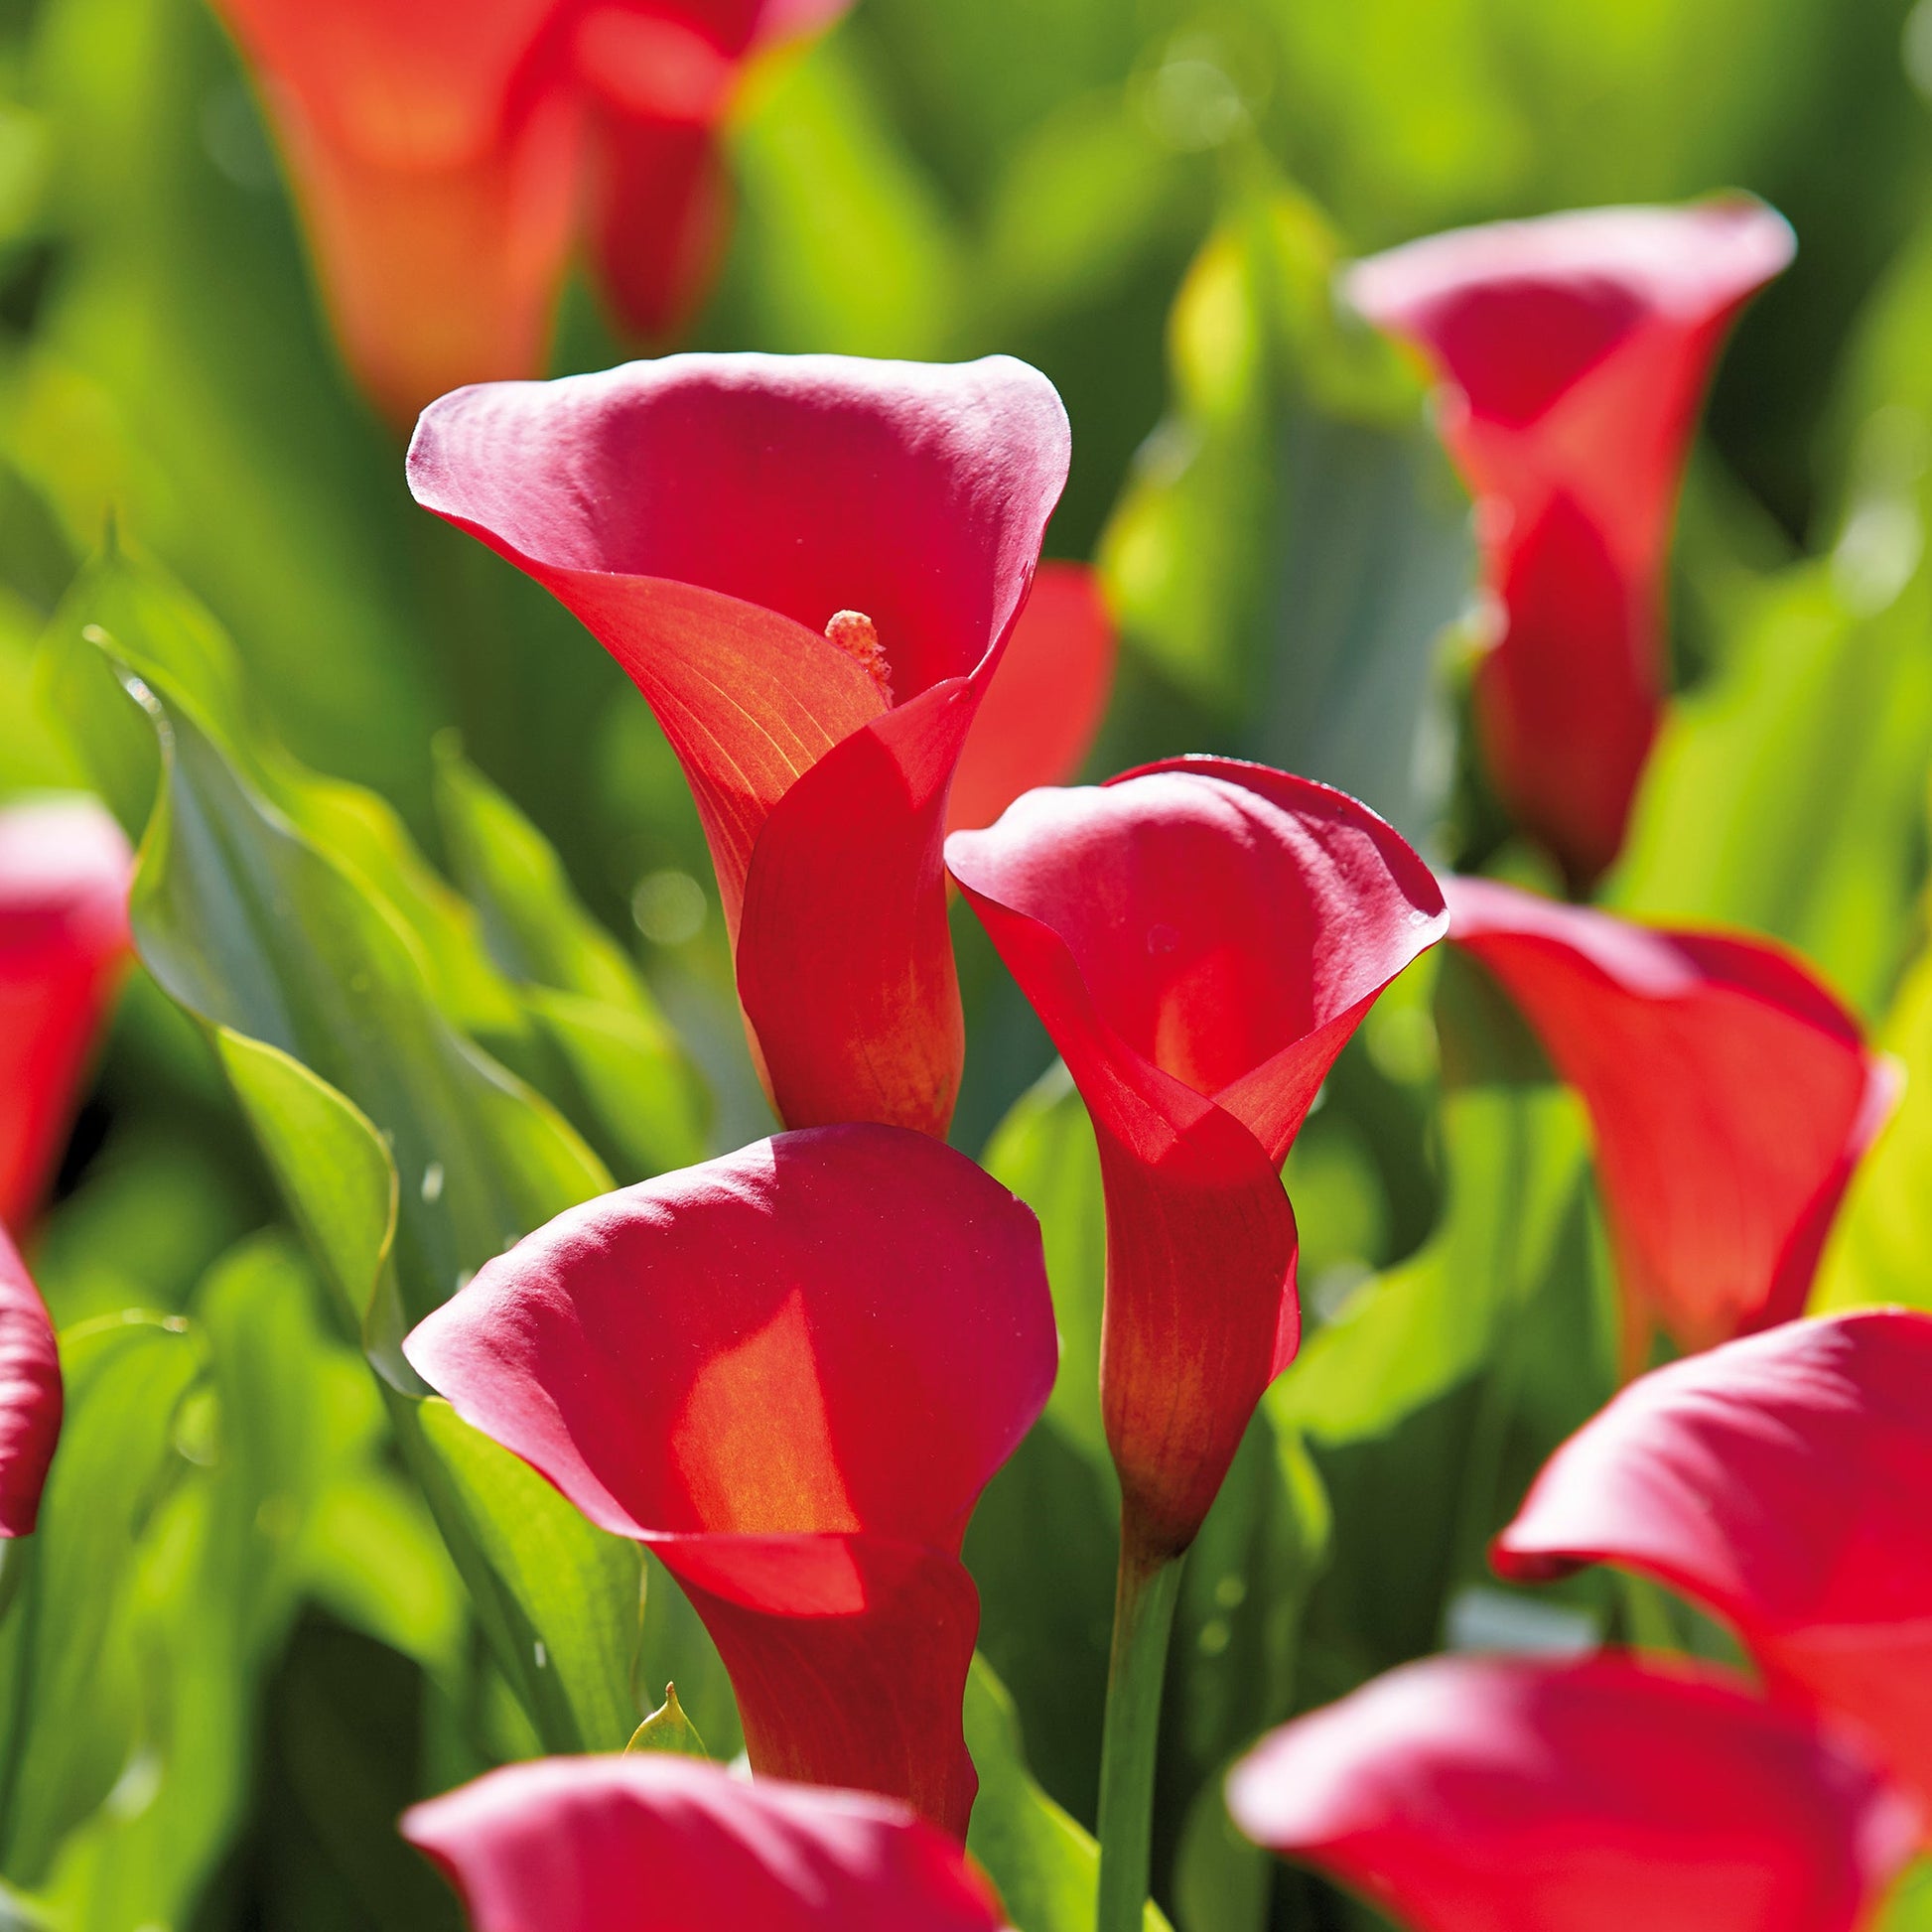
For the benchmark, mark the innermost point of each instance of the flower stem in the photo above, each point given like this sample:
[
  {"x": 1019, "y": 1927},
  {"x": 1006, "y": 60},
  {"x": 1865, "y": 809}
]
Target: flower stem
[{"x": 1143, "y": 1606}]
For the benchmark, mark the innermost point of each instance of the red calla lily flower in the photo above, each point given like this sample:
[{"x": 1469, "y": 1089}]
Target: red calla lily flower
[
  {"x": 1730, "y": 1096},
  {"x": 790, "y": 1372},
  {"x": 30, "y": 1394},
  {"x": 661, "y": 77},
  {"x": 1574, "y": 351},
  {"x": 1200, "y": 938},
  {"x": 672, "y": 1844},
  {"x": 65, "y": 869},
  {"x": 809, "y": 566},
  {"x": 1492, "y": 1794},
  {"x": 1781, "y": 1481},
  {"x": 441, "y": 153},
  {"x": 436, "y": 148},
  {"x": 1043, "y": 712}
]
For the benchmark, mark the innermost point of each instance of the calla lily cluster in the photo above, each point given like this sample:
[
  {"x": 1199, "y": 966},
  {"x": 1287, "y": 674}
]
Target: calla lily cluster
[
  {"x": 1779, "y": 1481},
  {"x": 791, "y": 1371},
  {"x": 444, "y": 156},
  {"x": 1574, "y": 354}
]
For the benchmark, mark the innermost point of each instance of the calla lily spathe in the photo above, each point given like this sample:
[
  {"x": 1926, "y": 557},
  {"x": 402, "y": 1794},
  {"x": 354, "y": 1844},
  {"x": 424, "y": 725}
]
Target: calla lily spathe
[
  {"x": 664, "y": 1844},
  {"x": 1731, "y": 1097},
  {"x": 789, "y": 1372},
  {"x": 1781, "y": 1482},
  {"x": 1200, "y": 938},
  {"x": 65, "y": 869},
  {"x": 445, "y": 153},
  {"x": 1499, "y": 1794},
  {"x": 810, "y": 567},
  {"x": 1574, "y": 353}
]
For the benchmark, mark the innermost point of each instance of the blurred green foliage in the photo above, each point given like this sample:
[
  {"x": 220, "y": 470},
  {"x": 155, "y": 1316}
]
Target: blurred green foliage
[{"x": 432, "y": 947}]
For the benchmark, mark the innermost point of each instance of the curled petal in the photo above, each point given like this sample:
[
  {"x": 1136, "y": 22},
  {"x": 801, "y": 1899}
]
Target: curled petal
[
  {"x": 1781, "y": 1481},
  {"x": 435, "y": 153},
  {"x": 1574, "y": 350},
  {"x": 30, "y": 1394},
  {"x": 65, "y": 869},
  {"x": 619, "y": 1844},
  {"x": 788, "y": 555},
  {"x": 1200, "y": 938},
  {"x": 791, "y": 1371},
  {"x": 1472, "y": 1794},
  {"x": 1731, "y": 1097},
  {"x": 1043, "y": 711}
]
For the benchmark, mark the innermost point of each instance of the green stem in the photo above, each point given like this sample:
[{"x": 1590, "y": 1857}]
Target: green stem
[{"x": 1143, "y": 1606}]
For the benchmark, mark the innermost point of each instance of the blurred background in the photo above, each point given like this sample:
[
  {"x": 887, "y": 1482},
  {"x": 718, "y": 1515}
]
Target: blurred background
[{"x": 1148, "y": 200}]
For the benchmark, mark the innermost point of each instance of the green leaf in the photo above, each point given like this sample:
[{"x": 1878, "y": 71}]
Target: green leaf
[
  {"x": 1044, "y": 1151},
  {"x": 1751, "y": 814},
  {"x": 843, "y": 243},
  {"x": 1292, "y": 549},
  {"x": 1515, "y": 1151},
  {"x": 252, "y": 927},
  {"x": 1231, "y": 1671},
  {"x": 1223, "y": 1881},
  {"x": 165, "y": 636},
  {"x": 571, "y": 1594},
  {"x": 1047, "y": 1867},
  {"x": 290, "y": 1412},
  {"x": 626, "y": 1074},
  {"x": 408, "y": 1158},
  {"x": 69, "y": 1665},
  {"x": 1883, "y": 1232},
  {"x": 253, "y": 471}
]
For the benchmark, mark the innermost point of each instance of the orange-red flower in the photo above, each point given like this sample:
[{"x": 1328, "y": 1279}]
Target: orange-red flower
[
  {"x": 1574, "y": 353},
  {"x": 63, "y": 878},
  {"x": 1730, "y": 1096},
  {"x": 445, "y": 154},
  {"x": 1200, "y": 938},
  {"x": 790, "y": 1372},
  {"x": 612, "y": 1843},
  {"x": 810, "y": 567}
]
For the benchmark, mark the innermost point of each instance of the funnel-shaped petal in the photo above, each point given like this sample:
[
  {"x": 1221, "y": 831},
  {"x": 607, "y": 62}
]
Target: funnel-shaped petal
[
  {"x": 1782, "y": 1481},
  {"x": 1574, "y": 351},
  {"x": 434, "y": 148},
  {"x": 790, "y": 1372},
  {"x": 1200, "y": 938},
  {"x": 30, "y": 1394},
  {"x": 1043, "y": 710},
  {"x": 809, "y": 566},
  {"x": 1469, "y": 1794},
  {"x": 1729, "y": 1094},
  {"x": 671, "y": 1844},
  {"x": 660, "y": 76},
  {"x": 63, "y": 878}
]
